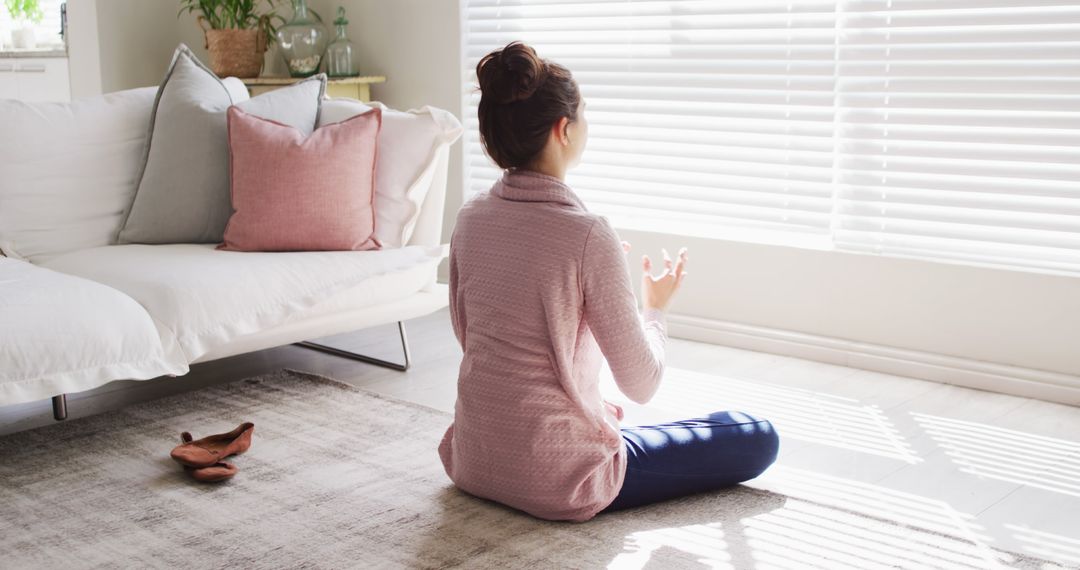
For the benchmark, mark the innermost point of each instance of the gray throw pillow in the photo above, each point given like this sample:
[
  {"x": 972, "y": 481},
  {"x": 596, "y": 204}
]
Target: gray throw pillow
[{"x": 183, "y": 191}]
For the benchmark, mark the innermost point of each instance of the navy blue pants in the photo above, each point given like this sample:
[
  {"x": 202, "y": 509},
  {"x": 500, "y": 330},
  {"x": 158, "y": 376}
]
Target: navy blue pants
[{"x": 692, "y": 456}]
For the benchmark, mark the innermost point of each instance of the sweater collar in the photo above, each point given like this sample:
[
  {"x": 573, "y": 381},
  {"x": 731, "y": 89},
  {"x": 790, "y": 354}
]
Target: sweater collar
[{"x": 529, "y": 186}]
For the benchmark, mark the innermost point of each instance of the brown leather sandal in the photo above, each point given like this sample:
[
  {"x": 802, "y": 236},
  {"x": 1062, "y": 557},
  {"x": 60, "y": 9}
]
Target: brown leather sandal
[
  {"x": 210, "y": 450},
  {"x": 217, "y": 472}
]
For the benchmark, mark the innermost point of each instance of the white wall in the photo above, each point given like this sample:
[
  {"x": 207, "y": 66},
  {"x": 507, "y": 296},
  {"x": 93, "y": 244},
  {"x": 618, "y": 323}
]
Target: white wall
[
  {"x": 136, "y": 41},
  {"x": 119, "y": 44},
  {"x": 84, "y": 59}
]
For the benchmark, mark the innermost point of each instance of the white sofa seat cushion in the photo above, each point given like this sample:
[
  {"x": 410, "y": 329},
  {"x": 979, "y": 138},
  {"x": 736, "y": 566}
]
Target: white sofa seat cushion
[
  {"x": 379, "y": 300},
  {"x": 378, "y": 290},
  {"x": 207, "y": 297},
  {"x": 60, "y": 334}
]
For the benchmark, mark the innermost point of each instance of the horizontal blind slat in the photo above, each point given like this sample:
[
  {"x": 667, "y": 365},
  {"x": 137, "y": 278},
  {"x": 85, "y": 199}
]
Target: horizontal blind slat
[{"x": 969, "y": 199}]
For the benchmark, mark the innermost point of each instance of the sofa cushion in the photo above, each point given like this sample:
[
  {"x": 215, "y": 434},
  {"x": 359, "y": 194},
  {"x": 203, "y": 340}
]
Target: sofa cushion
[
  {"x": 291, "y": 193},
  {"x": 183, "y": 189},
  {"x": 69, "y": 171},
  {"x": 60, "y": 334},
  {"x": 377, "y": 290},
  {"x": 409, "y": 145},
  {"x": 377, "y": 300},
  {"x": 206, "y": 297}
]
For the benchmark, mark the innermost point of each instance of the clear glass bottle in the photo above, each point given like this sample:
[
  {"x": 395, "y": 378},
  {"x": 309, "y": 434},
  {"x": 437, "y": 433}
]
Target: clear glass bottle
[
  {"x": 341, "y": 58},
  {"x": 302, "y": 41}
]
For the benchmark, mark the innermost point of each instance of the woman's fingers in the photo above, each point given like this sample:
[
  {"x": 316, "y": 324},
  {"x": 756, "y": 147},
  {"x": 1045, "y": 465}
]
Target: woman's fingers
[
  {"x": 680, "y": 266},
  {"x": 673, "y": 268},
  {"x": 626, "y": 247}
]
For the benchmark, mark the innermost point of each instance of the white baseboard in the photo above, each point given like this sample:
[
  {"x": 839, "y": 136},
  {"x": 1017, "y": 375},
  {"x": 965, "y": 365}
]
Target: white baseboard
[{"x": 1015, "y": 380}]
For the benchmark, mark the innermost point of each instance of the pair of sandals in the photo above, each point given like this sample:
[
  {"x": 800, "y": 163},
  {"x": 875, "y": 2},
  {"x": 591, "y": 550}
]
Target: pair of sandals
[{"x": 203, "y": 459}]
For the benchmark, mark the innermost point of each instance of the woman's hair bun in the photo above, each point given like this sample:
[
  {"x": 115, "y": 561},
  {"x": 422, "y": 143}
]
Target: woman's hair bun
[
  {"x": 511, "y": 74},
  {"x": 521, "y": 98}
]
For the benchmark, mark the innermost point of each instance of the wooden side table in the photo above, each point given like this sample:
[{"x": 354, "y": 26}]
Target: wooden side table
[{"x": 351, "y": 87}]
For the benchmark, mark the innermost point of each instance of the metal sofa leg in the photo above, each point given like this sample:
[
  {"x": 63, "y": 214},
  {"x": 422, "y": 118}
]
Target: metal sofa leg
[
  {"x": 364, "y": 358},
  {"x": 59, "y": 407}
]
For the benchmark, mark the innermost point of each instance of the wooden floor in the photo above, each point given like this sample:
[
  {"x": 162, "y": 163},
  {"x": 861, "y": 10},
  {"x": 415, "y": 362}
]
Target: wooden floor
[{"x": 1001, "y": 469}]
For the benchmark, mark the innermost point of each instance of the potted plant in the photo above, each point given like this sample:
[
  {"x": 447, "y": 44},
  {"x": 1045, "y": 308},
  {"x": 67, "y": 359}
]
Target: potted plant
[
  {"x": 238, "y": 32},
  {"x": 24, "y": 13}
]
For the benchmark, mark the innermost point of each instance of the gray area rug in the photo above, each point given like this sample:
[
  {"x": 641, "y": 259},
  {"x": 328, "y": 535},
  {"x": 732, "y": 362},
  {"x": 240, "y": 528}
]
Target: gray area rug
[{"x": 341, "y": 478}]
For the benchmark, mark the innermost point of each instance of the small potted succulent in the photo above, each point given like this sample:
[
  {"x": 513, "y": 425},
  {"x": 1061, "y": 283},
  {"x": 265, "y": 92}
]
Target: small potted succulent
[
  {"x": 238, "y": 32},
  {"x": 24, "y": 14}
]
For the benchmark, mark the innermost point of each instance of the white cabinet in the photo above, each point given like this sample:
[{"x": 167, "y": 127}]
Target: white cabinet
[
  {"x": 9, "y": 87},
  {"x": 35, "y": 79}
]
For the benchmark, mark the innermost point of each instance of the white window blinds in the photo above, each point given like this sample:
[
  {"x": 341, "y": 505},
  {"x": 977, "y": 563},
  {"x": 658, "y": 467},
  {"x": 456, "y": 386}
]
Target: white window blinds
[
  {"x": 938, "y": 129},
  {"x": 959, "y": 130}
]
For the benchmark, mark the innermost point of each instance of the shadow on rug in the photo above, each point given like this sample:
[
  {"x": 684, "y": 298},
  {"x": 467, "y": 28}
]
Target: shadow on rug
[{"x": 342, "y": 478}]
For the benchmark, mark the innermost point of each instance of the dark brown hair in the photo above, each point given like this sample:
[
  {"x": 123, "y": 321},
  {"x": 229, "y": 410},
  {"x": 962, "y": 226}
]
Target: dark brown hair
[{"x": 521, "y": 98}]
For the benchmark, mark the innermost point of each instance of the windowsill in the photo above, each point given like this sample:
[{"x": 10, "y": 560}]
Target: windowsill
[
  {"x": 40, "y": 51},
  {"x": 807, "y": 241}
]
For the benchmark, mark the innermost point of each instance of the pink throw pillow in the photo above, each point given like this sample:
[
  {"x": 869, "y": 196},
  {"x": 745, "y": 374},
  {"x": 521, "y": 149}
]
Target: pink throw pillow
[{"x": 291, "y": 193}]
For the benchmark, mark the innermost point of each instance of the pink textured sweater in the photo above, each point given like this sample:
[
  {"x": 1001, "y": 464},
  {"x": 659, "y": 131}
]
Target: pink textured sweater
[{"x": 539, "y": 289}]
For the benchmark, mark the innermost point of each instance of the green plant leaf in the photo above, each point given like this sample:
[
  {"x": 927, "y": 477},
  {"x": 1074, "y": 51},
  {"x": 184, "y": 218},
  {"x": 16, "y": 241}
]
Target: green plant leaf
[
  {"x": 25, "y": 10},
  {"x": 228, "y": 14}
]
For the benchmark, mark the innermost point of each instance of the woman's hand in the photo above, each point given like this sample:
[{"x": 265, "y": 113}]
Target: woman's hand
[{"x": 657, "y": 290}]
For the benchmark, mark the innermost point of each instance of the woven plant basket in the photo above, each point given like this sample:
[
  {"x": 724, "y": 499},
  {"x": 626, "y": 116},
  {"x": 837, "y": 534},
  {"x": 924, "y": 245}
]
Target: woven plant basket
[{"x": 235, "y": 53}]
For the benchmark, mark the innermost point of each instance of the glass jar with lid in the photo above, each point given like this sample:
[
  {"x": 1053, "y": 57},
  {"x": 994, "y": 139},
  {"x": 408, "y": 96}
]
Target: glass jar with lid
[{"x": 341, "y": 60}]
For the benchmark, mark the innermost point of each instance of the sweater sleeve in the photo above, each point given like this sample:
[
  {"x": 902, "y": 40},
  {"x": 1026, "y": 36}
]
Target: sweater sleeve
[{"x": 633, "y": 345}]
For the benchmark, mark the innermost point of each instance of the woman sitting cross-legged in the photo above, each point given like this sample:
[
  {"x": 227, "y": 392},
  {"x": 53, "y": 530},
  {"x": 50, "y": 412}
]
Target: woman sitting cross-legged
[{"x": 539, "y": 292}]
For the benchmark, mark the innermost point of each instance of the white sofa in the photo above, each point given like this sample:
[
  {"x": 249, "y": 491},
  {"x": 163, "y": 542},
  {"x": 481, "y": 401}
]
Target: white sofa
[{"x": 77, "y": 319}]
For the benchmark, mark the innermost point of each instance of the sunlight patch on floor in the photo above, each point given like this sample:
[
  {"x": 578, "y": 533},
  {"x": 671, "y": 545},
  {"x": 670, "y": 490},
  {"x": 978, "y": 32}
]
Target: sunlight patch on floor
[
  {"x": 1048, "y": 544},
  {"x": 850, "y": 534},
  {"x": 875, "y": 501},
  {"x": 813, "y": 535},
  {"x": 796, "y": 413},
  {"x": 1041, "y": 462},
  {"x": 702, "y": 542}
]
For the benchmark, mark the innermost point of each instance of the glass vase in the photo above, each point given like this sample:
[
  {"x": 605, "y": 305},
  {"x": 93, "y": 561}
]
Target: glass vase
[
  {"x": 341, "y": 53},
  {"x": 302, "y": 41}
]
